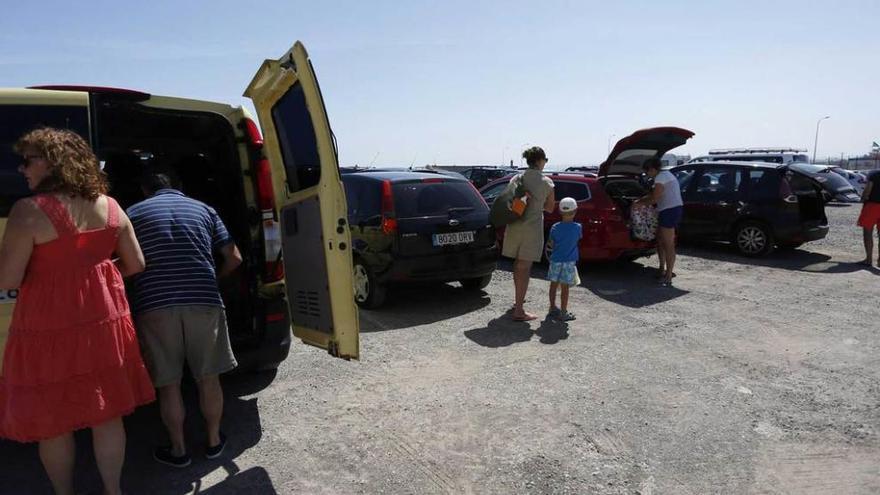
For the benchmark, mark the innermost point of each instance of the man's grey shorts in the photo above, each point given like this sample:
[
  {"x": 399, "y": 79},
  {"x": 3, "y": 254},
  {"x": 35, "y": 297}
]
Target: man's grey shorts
[{"x": 194, "y": 334}]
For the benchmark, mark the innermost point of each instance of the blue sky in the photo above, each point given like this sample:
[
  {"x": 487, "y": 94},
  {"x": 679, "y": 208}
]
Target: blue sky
[{"x": 473, "y": 82}]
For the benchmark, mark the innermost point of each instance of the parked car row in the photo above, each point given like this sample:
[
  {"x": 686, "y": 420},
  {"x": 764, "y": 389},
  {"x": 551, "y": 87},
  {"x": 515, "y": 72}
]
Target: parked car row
[{"x": 835, "y": 186}]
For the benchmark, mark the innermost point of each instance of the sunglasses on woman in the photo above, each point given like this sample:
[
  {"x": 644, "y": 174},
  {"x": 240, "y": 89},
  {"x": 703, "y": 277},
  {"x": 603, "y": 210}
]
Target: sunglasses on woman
[{"x": 26, "y": 160}]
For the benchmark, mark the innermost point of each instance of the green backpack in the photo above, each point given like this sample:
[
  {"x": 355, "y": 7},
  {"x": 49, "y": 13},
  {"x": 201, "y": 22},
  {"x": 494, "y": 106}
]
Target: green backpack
[{"x": 501, "y": 213}]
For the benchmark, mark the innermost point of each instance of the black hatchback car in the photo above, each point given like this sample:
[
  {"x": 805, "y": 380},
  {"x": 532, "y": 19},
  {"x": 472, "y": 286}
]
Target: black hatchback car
[
  {"x": 755, "y": 206},
  {"x": 409, "y": 227}
]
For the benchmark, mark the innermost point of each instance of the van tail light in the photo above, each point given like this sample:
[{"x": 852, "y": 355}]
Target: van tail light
[
  {"x": 273, "y": 270},
  {"x": 785, "y": 192},
  {"x": 252, "y": 133},
  {"x": 389, "y": 223},
  {"x": 265, "y": 191}
]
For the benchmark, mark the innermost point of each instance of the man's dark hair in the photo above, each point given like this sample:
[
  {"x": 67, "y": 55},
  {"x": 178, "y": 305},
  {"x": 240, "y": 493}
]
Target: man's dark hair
[
  {"x": 652, "y": 163},
  {"x": 154, "y": 180}
]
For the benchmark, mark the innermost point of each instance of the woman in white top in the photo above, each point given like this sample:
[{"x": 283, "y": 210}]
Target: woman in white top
[{"x": 667, "y": 196}]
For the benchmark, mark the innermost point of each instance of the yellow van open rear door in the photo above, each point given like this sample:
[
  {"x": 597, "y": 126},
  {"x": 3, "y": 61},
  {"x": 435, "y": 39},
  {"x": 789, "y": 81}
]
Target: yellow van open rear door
[{"x": 310, "y": 199}]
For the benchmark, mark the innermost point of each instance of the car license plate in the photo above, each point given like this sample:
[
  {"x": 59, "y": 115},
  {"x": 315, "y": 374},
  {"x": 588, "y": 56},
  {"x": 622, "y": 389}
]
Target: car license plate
[
  {"x": 453, "y": 238},
  {"x": 8, "y": 296}
]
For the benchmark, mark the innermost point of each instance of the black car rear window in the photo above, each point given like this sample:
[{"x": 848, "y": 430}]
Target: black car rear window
[
  {"x": 423, "y": 199},
  {"x": 364, "y": 199}
]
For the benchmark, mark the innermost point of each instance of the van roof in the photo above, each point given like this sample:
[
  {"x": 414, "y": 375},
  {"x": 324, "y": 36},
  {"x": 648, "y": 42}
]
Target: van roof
[{"x": 73, "y": 94}]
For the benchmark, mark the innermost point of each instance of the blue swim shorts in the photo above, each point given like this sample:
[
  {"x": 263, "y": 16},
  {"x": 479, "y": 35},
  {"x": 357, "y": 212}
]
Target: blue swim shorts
[{"x": 564, "y": 272}]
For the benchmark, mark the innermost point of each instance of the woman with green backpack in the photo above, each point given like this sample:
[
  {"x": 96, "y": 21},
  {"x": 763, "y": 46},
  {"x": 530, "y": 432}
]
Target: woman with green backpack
[{"x": 524, "y": 237}]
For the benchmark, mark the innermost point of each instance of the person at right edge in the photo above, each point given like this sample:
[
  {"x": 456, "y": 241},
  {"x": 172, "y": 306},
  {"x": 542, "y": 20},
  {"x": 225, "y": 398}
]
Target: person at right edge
[
  {"x": 524, "y": 238},
  {"x": 869, "y": 218},
  {"x": 667, "y": 196},
  {"x": 179, "y": 314}
]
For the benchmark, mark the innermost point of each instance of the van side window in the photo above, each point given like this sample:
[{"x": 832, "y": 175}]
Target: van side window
[
  {"x": 296, "y": 137},
  {"x": 17, "y": 120}
]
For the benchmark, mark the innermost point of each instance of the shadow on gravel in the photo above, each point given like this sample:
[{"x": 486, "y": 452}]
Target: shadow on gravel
[
  {"x": 143, "y": 475},
  {"x": 792, "y": 259},
  {"x": 422, "y": 305},
  {"x": 552, "y": 331},
  {"x": 501, "y": 332},
  {"x": 629, "y": 284}
]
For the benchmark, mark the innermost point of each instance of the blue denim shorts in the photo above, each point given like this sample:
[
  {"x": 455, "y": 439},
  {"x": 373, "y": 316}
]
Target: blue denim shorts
[{"x": 670, "y": 217}]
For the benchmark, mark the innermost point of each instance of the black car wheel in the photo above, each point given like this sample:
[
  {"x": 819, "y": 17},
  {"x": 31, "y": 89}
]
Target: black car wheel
[
  {"x": 368, "y": 293},
  {"x": 478, "y": 283},
  {"x": 753, "y": 239}
]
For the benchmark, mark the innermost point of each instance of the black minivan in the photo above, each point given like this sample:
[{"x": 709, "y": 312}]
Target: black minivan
[
  {"x": 409, "y": 227},
  {"x": 755, "y": 206}
]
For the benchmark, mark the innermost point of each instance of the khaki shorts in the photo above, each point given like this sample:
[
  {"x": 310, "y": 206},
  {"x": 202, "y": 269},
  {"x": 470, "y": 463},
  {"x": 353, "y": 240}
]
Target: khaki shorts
[
  {"x": 196, "y": 335},
  {"x": 523, "y": 242}
]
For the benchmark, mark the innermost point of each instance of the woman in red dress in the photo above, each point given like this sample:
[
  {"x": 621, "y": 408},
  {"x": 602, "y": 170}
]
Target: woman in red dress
[{"x": 72, "y": 360}]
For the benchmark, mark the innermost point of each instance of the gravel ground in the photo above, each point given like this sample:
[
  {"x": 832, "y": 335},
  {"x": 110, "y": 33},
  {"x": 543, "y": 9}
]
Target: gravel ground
[{"x": 750, "y": 376}]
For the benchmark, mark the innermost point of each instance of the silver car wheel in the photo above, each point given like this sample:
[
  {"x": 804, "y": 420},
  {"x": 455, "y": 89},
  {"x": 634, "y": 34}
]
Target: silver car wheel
[
  {"x": 751, "y": 240},
  {"x": 361, "y": 283}
]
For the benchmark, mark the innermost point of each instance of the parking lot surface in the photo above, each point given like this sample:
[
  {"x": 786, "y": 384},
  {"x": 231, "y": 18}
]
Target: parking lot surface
[{"x": 749, "y": 376}]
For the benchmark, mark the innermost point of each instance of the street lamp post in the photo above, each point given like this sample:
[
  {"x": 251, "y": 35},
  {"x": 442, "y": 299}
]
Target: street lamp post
[{"x": 816, "y": 142}]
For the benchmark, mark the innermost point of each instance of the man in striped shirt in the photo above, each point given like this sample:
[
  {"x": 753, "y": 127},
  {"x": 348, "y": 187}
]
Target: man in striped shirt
[{"x": 178, "y": 310}]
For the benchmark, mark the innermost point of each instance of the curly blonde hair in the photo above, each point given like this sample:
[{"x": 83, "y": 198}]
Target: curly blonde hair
[{"x": 74, "y": 168}]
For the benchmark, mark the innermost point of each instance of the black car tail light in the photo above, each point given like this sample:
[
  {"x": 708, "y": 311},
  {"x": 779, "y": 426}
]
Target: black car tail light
[{"x": 389, "y": 223}]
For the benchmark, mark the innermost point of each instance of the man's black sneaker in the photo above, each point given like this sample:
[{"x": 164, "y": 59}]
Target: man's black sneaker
[
  {"x": 215, "y": 451},
  {"x": 164, "y": 455}
]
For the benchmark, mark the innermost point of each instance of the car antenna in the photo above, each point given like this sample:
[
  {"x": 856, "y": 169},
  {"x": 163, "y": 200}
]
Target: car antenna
[{"x": 374, "y": 158}]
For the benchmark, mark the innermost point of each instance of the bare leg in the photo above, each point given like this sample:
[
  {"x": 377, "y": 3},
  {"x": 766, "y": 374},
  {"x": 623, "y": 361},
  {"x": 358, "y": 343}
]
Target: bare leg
[
  {"x": 211, "y": 403},
  {"x": 660, "y": 253},
  {"x": 868, "y": 238},
  {"x": 522, "y": 271},
  {"x": 173, "y": 413},
  {"x": 564, "y": 297},
  {"x": 553, "y": 286},
  {"x": 109, "y": 443},
  {"x": 58, "y": 455},
  {"x": 668, "y": 241}
]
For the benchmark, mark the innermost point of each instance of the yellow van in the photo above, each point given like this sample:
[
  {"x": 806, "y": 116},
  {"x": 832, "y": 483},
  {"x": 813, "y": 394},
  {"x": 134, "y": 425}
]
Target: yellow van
[{"x": 279, "y": 193}]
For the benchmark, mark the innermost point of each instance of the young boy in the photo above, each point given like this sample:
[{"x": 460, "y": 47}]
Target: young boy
[{"x": 564, "y": 239}]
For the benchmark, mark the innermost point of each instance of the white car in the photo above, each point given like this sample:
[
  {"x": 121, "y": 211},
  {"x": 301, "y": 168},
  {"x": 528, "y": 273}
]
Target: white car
[{"x": 856, "y": 179}]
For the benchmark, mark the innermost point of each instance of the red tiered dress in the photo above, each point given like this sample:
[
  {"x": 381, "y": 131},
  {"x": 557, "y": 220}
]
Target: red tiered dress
[{"x": 72, "y": 359}]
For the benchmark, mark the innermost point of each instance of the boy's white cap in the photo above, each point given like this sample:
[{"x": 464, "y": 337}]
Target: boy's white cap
[{"x": 568, "y": 205}]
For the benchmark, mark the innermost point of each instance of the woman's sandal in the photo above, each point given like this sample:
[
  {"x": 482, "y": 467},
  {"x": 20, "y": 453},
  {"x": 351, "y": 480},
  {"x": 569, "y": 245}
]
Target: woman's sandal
[{"x": 524, "y": 317}]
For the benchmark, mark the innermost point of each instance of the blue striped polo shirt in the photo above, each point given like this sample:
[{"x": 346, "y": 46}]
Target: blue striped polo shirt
[{"x": 178, "y": 236}]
